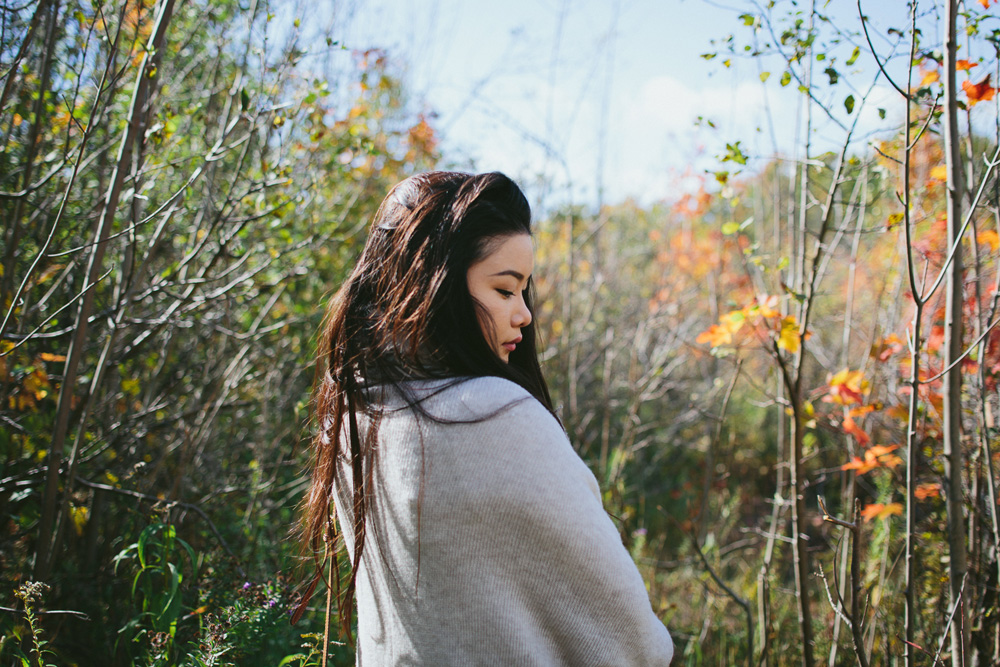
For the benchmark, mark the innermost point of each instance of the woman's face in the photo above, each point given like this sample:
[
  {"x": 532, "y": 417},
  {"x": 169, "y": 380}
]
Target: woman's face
[{"x": 497, "y": 282}]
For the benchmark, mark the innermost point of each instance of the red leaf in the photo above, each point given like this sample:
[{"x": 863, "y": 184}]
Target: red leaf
[{"x": 979, "y": 92}]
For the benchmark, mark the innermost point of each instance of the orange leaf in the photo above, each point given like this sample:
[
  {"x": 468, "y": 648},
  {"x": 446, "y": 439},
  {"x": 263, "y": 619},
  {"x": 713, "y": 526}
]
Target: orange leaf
[
  {"x": 853, "y": 429},
  {"x": 857, "y": 463},
  {"x": 722, "y": 333},
  {"x": 989, "y": 237},
  {"x": 929, "y": 490},
  {"x": 48, "y": 356},
  {"x": 882, "y": 450},
  {"x": 880, "y": 511},
  {"x": 965, "y": 65},
  {"x": 877, "y": 456},
  {"x": 979, "y": 92},
  {"x": 715, "y": 336},
  {"x": 861, "y": 410}
]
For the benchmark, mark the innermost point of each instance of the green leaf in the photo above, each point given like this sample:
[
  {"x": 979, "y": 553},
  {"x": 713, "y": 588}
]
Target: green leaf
[
  {"x": 764, "y": 76},
  {"x": 730, "y": 228},
  {"x": 854, "y": 56},
  {"x": 849, "y": 103},
  {"x": 748, "y": 19},
  {"x": 734, "y": 153},
  {"x": 786, "y": 78},
  {"x": 244, "y": 99},
  {"x": 881, "y": 113},
  {"x": 833, "y": 74},
  {"x": 191, "y": 555},
  {"x": 144, "y": 536}
]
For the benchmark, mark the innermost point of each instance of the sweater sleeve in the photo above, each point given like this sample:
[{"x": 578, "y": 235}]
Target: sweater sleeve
[{"x": 529, "y": 510}]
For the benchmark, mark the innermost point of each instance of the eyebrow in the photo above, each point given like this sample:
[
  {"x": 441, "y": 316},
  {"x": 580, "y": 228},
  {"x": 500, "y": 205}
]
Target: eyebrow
[{"x": 509, "y": 272}]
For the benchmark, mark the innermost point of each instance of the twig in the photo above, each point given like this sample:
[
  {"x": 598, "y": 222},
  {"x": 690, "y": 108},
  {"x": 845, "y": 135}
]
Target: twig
[
  {"x": 951, "y": 617},
  {"x": 956, "y": 244},
  {"x": 864, "y": 25},
  {"x": 967, "y": 352},
  {"x": 732, "y": 594},
  {"x": 53, "y": 612},
  {"x": 855, "y": 622}
]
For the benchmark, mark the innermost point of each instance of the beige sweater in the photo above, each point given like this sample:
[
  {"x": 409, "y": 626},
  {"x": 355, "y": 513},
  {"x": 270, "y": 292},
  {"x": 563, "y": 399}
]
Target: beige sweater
[{"x": 490, "y": 544}]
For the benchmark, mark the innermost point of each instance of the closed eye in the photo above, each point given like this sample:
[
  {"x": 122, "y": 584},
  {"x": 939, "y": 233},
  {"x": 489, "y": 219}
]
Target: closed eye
[{"x": 505, "y": 293}]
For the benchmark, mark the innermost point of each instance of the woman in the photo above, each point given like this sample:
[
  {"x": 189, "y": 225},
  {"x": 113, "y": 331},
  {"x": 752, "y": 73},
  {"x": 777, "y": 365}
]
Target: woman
[{"x": 475, "y": 533}]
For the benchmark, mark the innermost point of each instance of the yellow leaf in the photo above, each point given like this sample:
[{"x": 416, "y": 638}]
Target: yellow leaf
[
  {"x": 789, "y": 338},
  {"x": 79, "y": 516},
  {"x": 939, "y": 173},
  {"x": 130, "y": 386},
  {"x": 48, "y": 356},
  {"x": 37, "y": 384},
  {"x": 49, "y": 272},
  {"x": 733, "y": 321}
]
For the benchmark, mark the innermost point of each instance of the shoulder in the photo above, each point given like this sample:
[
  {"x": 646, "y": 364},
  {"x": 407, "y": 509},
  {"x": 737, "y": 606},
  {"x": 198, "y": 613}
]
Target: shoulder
[{"x": 476, "y": 399}]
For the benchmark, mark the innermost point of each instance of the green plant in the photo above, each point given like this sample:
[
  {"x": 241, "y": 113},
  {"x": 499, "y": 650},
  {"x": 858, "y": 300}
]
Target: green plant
[
  {"x": 30, "y": 593},
  {"x": 156, "y": 586},
  {"x": 313, "y": 658}
]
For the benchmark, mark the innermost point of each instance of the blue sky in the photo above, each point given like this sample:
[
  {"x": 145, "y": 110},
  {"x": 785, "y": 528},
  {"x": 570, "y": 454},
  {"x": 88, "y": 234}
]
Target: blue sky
[{"x": 598, "y": 100}]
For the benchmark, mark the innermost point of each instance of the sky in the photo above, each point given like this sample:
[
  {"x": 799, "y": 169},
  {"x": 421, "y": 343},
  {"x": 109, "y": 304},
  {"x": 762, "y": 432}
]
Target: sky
[{"x": 594, "y": 101}]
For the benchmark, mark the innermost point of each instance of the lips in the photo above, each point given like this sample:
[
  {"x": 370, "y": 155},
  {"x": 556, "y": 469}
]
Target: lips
[{"x": 511, "y": 344}]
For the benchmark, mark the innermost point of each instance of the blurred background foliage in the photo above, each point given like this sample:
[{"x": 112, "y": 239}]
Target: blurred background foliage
[{"x": 183, "y": 186}]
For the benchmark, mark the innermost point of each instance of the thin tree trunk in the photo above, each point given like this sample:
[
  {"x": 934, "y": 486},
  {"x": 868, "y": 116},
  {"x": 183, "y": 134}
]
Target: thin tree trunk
[
  {"x": 13, "y": 234},
  {"x": 145, "y": 78},
  {"x": 953, "y": 325}
]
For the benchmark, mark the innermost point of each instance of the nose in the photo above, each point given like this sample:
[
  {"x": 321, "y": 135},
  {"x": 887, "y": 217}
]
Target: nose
[{"x": 522, "y": 315}]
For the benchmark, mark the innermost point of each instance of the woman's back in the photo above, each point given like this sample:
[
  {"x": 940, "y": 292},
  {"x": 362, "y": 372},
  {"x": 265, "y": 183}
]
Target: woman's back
[{"x": 487, "y": 542}]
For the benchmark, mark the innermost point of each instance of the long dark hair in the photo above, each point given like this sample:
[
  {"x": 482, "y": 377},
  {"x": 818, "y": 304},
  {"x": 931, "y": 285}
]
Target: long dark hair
[{"x": 406, "y": 313}]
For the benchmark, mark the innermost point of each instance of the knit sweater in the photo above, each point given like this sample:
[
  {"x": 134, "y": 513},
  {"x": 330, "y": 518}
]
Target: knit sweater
[{"x": 487, "y": 543}]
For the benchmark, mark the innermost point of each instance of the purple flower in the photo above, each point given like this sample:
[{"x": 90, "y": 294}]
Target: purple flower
[{"x": 246, "y": 586}]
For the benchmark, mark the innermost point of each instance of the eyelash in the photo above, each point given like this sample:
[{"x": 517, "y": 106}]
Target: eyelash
[{"x": 505, "y": 293}]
